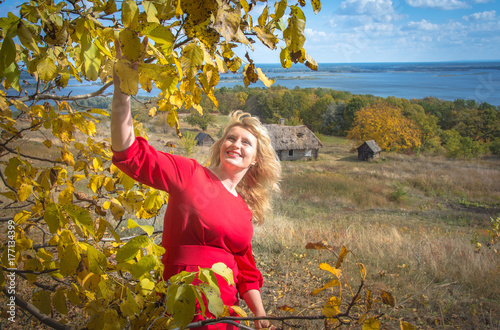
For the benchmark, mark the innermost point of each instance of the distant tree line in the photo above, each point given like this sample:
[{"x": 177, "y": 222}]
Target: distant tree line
[{"x": 460, "y": 128}]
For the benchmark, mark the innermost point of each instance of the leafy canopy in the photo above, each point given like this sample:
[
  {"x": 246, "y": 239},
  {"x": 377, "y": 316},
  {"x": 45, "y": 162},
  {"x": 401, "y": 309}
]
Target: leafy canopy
[{"x": 63, "y": 200}]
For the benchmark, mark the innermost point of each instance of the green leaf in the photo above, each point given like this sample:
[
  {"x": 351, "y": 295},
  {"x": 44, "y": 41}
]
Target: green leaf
[
  {"x": 41, "y": 300},
  {"x": 7, "y": 54},
  {"x": 130, "y": 45},
  {"x": 224, "y": 271},
  {"x": 158, "y": 33},
  {"x": 129, "y": 307},
  {"x": 148, "y": 229},
  {"x": 184, "y": 306},
  {"x": 80, "y": 216},
  {"x": 47, "y": 69},
  {"x": 52, "y": 217},
  {"x": 92, "y": 62},
  {"x": 70, "y": 260},
  {"x": 130, "y": 249},
  {"x": 143, "y": 266},
  {"x": 215, "y": 303},
  {"x": 97, "y": 260},
  {"x": 26, "y": 37}
]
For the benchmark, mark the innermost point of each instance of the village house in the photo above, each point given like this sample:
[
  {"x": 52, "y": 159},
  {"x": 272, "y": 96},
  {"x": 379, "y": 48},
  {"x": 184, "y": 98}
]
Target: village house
[
  {"x": 294, "y": 142},
  {"x": 368, "y": 150},
  {"x": 204, "y": 140}
]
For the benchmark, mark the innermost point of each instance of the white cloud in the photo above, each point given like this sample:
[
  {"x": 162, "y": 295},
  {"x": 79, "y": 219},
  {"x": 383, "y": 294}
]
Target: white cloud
[
  {"x": 423, "y": 25},
  {"x": 376, "y": 10},
  {"x": 440, "y": 4},
  {"x": 483, "y": 16}
]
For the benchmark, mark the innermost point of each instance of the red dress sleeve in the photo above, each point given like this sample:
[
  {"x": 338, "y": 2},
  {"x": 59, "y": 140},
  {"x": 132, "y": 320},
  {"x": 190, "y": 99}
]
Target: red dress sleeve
[
  {"x": 156, "y": 169},
  {"x": 249, "y": 277}
]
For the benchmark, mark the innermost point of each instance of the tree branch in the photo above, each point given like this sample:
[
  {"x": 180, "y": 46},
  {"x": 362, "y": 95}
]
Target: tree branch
[
  {"x": 12, "y": 151},
  {"x": 35, "y": 312},
  {"x": 38, "y": 97}
]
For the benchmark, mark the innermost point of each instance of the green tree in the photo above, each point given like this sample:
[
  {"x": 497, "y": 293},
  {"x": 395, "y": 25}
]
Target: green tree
[
  {"x": 62, "y": 198},
  {"x": 201, "y": 120}
]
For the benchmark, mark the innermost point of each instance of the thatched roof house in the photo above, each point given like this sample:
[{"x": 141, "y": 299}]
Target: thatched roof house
[
  {"x": 368, "y": 150},
  {"x": 204, "y": 140},
  {"x": 294, "y": 142}
]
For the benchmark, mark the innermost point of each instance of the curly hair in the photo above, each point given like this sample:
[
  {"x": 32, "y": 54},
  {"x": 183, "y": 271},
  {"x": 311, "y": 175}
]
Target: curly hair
[{"x": 262, "y": 178}]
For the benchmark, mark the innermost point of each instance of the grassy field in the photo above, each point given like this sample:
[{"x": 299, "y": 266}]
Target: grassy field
[{"x": 413, "y": 222}]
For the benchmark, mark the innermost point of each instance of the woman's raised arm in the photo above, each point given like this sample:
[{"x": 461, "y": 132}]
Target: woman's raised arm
[{"x": 122, "y": 126}]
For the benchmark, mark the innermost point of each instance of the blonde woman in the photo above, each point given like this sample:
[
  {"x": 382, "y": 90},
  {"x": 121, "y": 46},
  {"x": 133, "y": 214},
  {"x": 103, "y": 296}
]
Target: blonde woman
[{"x": 211, "y": 211}]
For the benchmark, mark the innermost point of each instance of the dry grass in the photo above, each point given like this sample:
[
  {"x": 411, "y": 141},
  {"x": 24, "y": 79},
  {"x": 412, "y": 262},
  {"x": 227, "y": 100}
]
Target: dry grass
[{"x": 409, "y": 220}]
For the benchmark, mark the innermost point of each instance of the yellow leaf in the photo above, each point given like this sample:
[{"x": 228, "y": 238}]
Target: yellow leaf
[
  {"x": 371, "y": 324},
  {"x": 342, "y": 256},
  {"x": 70, "y": 260},
  {"x": 41, "y": 300},
  {"x": 92, "y": 62},
  {"x": 331, "y": 308},
  {"x": 130, "y": 45},
  {"x": 129, "y": 77},
  {"x": 59, "y": 301},
  {"x": 388, "y": 298},
  {"x": 47, "y": 69},
  {"x": 21, "y": 217},
  {"x": 316, "y": 4},
  {"x": 48, "y": 143},
  {"x": 26, "y": 38},
  {"x": 335, "y": 271},
  {"x": 267, "y": 82},
  {"x": 266, "y": 36},
  {"x": 66, "y": 196},
  {"x": 24, "y": 192},
  {"x": 294, "y": 34},
  {"x": 330, "y": 284},
  {"x": 406, "y": 326},
  {"x": 130, "y": 14}
]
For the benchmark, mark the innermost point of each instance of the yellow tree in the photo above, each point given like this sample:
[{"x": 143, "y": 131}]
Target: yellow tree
[
  {"x": 386, "y": 125},
  {"x": 62, "y": 200}
]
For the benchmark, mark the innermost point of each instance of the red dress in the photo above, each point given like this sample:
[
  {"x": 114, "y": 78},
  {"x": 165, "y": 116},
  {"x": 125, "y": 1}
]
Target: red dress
[{"x": 204, "y": 223}]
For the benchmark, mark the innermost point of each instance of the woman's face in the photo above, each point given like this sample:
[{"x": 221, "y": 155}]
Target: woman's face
[{"x": 239, "y": 149}]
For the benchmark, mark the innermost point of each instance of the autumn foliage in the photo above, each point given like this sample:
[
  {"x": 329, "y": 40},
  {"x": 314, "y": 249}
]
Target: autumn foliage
[{"x": 387, "y": 126}]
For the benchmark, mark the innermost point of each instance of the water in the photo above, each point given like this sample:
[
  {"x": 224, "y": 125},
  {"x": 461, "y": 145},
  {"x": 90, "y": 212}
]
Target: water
[{"x": 446, "y": 80}]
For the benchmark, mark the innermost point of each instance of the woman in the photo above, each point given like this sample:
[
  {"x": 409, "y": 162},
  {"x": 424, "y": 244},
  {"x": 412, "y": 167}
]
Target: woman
[{"x": 210, "y": 210}]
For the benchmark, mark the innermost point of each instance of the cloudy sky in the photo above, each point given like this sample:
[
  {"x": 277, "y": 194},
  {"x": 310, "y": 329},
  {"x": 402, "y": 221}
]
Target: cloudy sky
[
  {"x": 401, "y": 31},
  {"x": 353, "y": 31}
]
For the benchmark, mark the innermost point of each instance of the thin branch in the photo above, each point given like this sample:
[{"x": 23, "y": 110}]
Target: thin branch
[
  {"x": 38, "y": 97},
  {"x": 6, "y": 219},
  {"x": 12, "y": 151},
  {"x": 34, "y": 272},
  {"x": 6, "y": 184},
  {"x": 40, "y": 285},
  {"x": 35, "y": 311}
]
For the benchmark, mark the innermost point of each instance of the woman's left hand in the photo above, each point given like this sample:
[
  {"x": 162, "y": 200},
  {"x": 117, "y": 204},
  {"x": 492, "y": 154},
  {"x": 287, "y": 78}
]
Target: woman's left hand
[{"x": 264, "y": 324}]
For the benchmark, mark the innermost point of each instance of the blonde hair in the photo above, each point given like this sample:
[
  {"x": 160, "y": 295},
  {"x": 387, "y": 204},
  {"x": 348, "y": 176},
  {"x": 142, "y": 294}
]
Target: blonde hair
[{"x": 262, "y": 178}]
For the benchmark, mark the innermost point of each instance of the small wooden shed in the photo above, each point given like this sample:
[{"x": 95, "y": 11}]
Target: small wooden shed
[
  {"x": 294, "y": 142},
  {"x": 368, "y": 150},
  {"x": 204, "y": 140}
]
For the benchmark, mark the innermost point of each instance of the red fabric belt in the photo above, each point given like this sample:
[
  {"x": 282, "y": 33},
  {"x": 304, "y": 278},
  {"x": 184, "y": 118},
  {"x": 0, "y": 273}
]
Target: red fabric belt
[{"x": 199, "y": 255}]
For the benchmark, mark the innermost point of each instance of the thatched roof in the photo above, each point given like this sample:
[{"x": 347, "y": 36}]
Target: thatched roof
[
  {"x": 292, "y": 137},
  {"x": 372, "y": 145}
]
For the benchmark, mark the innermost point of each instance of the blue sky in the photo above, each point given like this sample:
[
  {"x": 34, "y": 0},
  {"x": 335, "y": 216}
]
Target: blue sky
[{"x": 352, "y": 31}]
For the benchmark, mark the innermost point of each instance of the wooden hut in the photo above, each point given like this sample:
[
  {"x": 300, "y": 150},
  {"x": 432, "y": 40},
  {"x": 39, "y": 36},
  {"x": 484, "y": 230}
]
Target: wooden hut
[
  {"x": 204, "y": 140},
  {"x": 294, "y": 142},
  {"x": 368, "y": 150}
]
